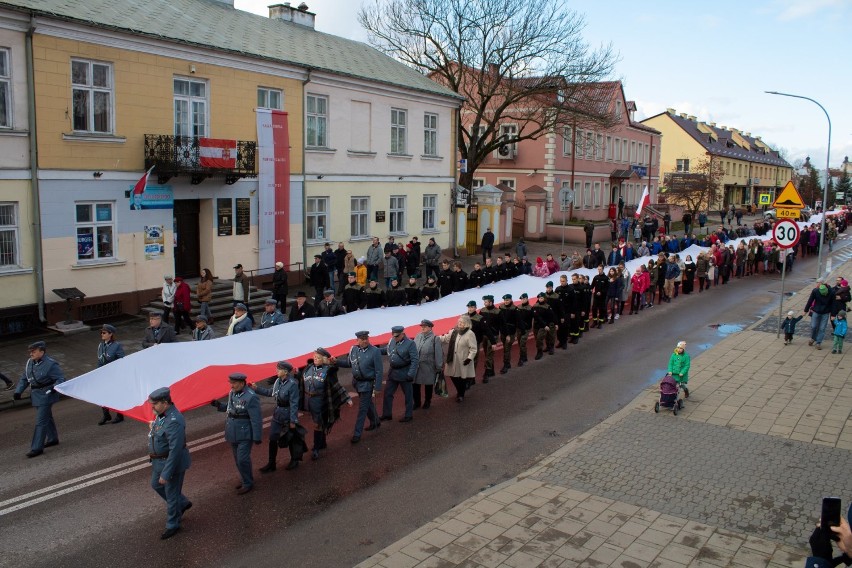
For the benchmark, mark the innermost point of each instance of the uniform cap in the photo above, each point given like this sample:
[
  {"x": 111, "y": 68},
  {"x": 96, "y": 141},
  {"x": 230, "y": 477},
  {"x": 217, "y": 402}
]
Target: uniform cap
[
  {"x": 328, "y": 292},
  {"x": 108, "y": 327},
  {"x": 362, "y": 334},
  {"x": 430, "y": 278},
  {"x": 322, "y": 351},
  {"x": 317, "y": 256},
  {"x": 37, "y": 345},
  {"x": 507, "y": 296},
  {"x": 351, "y": 275},
  {"x": 284, "y": 366},
  {"x": 237, "y": 266},
  {"x": 471, "y": 304},
  {"x": 301, "y": 294},
  {"x": 155, "y": 314},
  {"x": 237, "y": 377},
  {"x": 489, "y": 297},
  {"x": 271, "y": 302},
  {"x": 541, "y": 296},
  {"x": 201, "y": 318},
  {"x": 397, "y": 329},
  {"x": 162, "y": 393},
  {"x": 549, "y": 285},
  {"x": 240, "y": 306},
  {"x": 427, "y": 323},
  {"x": 524, "y": 296}
]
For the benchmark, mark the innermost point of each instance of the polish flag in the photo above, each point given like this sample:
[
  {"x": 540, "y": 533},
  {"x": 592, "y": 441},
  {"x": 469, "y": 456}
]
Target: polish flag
[
  {"x": 140, "y": 186},
  {"x": 643, "y": 201},
  {"x": 217, "y": 153}
]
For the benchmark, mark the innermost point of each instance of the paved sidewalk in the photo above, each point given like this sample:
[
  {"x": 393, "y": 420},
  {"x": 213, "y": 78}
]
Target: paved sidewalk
[{"x": 735, "y": 479}]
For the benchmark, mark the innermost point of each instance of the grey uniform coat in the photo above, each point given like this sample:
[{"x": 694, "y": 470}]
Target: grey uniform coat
[
  {"x": 41, "y": 376},
  {"x": 430, "y": 353},
  {"x": 269, "y": 320},
  {"x": 156, "y": 335},
  {"x": 366, "y": 365},
  {"x": 109, "y": 352},
  {"x": 403, "y": 360},
  {"x": 245, "y": 420},
  {"x": 168, "y": 436},
  {"x": 286, "y": 395},
  {"x": 465, "y": 349}
]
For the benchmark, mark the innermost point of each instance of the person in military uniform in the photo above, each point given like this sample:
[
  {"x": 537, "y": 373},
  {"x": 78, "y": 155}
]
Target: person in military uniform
[
  {"x": 587, "y": 302},
  {"x": 329, "y": 307},
  {"x": 41, "y": 374},
  {"x": 500, "y": 272},
  {"x": 576, "y": 311},
  {"x": 169, "y": 458},
  {"x": 374, "y": 297},
  {"x": 365, "y": 360},
  {"x": 243, "y": 426},
  {"x": 202, "y": 331},
  {"x": 403, "y": 360},
  {"x": 240, "y": 321},
  {"x": 412, "y": 293},
  {"x": 508, "y": 328},
  {"x": 324, "y": 397},
  {"x": 563, "y": 292},
  {"x": 157, "y": 332},
  {"x": 445, "y": 279},
  {"x": 395, "y": 296},
  {"x": 430, "y": 290},
  {"x": 476, "y": 278},
  {"x": 600, "y": 285},
  {"x": 488, "y": 273},
  {"x": 459, "y": 278},
  {"x": 301, "y": 309},
  {"x": 478, "y": 330},
  {"x": 271, "y": 315},
  {"x": 524, "y": 324},
  {"x": 543, "y": 321},
  {"x": 108, "y": 351},
  {"x": 353, "y": 295},
  {"x": 490, "y": 326},
  {"x": 555, "y": 303},
  {"x": 285, "y": 417}
]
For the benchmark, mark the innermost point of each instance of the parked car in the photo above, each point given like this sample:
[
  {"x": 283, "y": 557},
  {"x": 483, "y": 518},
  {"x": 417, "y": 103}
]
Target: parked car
[{"x": 804, "y": 214}]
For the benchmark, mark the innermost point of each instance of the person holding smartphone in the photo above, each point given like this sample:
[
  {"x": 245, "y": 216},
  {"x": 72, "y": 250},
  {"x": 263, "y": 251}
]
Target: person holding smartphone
[{"x": 832, "y": 527}]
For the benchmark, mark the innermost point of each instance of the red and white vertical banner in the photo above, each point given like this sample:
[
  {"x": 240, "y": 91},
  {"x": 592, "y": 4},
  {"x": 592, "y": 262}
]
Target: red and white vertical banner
[{"x": 273, "y": 181}]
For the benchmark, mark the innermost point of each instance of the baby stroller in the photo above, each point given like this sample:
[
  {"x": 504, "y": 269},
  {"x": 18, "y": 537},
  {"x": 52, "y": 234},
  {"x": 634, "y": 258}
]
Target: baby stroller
[{"x": 669, "y": 395}]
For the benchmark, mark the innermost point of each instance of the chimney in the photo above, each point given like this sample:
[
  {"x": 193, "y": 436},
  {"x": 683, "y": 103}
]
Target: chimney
[
  {"x": 748, "y": 134},
  {"x": 683, "y": 115},
  {"x": 691, "y": 117},
  {"x": 287, "y": 13},
  {"x": 671, "y": 111},
  {"x": 724, "y": 127},
  {"x": 713, "y": 124}
]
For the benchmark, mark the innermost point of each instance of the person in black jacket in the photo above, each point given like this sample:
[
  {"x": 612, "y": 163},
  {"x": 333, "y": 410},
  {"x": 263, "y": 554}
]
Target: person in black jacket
[
  {"x": 487, "y": 244},
  {"x": 523, "y": 327},
  {"x": 478, "y": 331},
  {"x": 374, "y": 297},
  {"x": 353, "y": 295},
  {"x": 599, "y": 256},
  {"x": 330, "y": 306},
  {"x": 489, "y": 275},
  {"x": 395, "y": 296},
  {"x": 818, "y": 307},
  {"x": 476, "y": 278},
  {"x": 430, "y": 291},
  {"x": 459, "y": 278},
  {"x": 279, "y": 285},
  {"x": 445, "y": 279},
  {"x": 508, "y": 329},
  {"x": 301, "y": 309},
  {"x": 412, "y": 293},
  {"x": 565, "y": 294},
  {"x": 544, "y": 320},
  {"x": 490, "y": 328},
  {"x": 318, "y": 274},
  {"x": 600, "y": 285}
]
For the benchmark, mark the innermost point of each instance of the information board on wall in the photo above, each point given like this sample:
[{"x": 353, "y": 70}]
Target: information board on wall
[
  {"x": 243, "y": 216},
  {"x": 225, "y": 216}
]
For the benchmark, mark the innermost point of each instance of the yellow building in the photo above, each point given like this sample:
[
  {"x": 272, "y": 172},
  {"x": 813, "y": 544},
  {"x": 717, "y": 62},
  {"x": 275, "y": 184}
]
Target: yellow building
[
  {"x": 750, "y": 167},
  {"x": 121, "y": 86}
]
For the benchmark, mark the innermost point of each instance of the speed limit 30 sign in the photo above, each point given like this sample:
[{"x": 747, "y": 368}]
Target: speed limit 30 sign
[{"x": 785, "y": 233}]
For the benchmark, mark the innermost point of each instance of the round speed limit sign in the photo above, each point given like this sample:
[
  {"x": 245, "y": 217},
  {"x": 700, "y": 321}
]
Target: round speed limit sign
[{"x": 786, "y": 233}]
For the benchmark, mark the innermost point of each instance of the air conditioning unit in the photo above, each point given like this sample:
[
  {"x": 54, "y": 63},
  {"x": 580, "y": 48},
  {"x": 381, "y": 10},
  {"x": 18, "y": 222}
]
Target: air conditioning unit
[{"x": 505, "y": 152}]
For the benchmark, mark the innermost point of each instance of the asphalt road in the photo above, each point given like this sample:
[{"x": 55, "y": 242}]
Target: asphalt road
[{"x": 88, "y": 502}]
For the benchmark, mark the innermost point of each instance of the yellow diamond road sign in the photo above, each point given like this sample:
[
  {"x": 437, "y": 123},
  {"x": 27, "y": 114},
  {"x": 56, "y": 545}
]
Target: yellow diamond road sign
[
  {"x": 787, "y": 213},
  {"x": 789, "y": 198},
  {"x": 765, "y": 199}
]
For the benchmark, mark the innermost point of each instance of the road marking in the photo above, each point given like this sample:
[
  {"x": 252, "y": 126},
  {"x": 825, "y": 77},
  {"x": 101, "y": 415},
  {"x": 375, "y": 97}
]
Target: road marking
[{"x": 106, "y": 474}]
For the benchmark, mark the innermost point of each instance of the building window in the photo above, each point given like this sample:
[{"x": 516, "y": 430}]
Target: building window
[
  {"x": 360, "y": 217},
  {"x": 430, "y": 209},
  {"x": 8, "y": 235},
  {"x": 566, "y": 141},
  {"x": 625, "y": 157},
  {"x": 590, "y": 145},
  {"x": 95, "y": 230},
  {"x": 599, "y": 147},
  {"x": 91, "y": 94},
  {"x": 616, "y": 150},
  {"x": 5, "y": 90},
  {"x": 727, "y": 167},
  {"x": 653, "y": 155},
  {"x": 316, "y": 218},
  {"x": 397, "y": 214},
  {"x": 399, "y": 122},
  {"x": 477, "y": 183},
  {"x": 316, "y": 121},
  {"x": 597, "y": 193},
  {"x": 578, "y": 194},
  {"x": 633, "y": 156},
  {"x": 190, "y": 108},
  {"x": 270, "y": 98},
  {"x": 587, "y": 194},
  {"x": 578, "y": 147},
  {"x": 608, "y": 148},
  {"x": 618, "y": 110},
  {"x": 682, "y": 165},
  {"x": 430, "y": 134},
  {"x": 508, "y": 182},
  {"x": 607, "y": 192}
]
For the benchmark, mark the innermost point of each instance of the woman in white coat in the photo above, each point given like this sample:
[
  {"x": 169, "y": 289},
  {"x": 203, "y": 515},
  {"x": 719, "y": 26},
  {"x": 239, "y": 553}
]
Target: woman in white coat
[{"x": 461, "y": 350}]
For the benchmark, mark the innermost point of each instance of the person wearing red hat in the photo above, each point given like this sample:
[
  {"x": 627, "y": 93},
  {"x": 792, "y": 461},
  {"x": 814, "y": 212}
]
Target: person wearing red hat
[{"x": 182, "y": 305}]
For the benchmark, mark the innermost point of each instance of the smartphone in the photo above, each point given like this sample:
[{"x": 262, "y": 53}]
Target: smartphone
[{"x": 830, "y": 516}]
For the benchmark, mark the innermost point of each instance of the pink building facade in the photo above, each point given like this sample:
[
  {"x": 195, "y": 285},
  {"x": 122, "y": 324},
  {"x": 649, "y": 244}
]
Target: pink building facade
[{"x": 599, "y": 165}]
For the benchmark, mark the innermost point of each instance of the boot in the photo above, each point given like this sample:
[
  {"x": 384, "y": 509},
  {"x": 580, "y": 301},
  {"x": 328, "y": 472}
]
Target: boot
[
  {"x": 505, "y": 368},
  {"x": 106, "y": 417},
  {"x": 317, "y": 445},
  {"x": 539, "y": 354},
  {"x": 292, "y": 465},
  {"x": 119, "y": 418},
  {"x": 273, "y": 454},
  {"x": 550, "y": 351},
  {"x": 521, "y": 362}
]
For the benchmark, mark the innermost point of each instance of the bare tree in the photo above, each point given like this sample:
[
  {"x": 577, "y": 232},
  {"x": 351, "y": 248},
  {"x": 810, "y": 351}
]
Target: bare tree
[
  {"x": 514, "y": 61},
  {"x": 700, "y": 188}
]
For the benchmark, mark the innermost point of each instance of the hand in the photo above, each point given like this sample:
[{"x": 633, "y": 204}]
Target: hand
[
  {"x": 257, "y": 442},
  {"x": 820, "y": 544},
  {"x": 162, "y": 481},
  {"x": 845, "y": 534},
  {"x": 349, "y": 403},
  {"x": 16, "y": 396},
  {"x": 214, "y": 403},
  {"x": 466, "y": 362}
]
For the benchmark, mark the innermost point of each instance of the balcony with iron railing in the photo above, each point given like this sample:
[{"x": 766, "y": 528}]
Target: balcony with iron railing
[{"x": 176, "y": 156}]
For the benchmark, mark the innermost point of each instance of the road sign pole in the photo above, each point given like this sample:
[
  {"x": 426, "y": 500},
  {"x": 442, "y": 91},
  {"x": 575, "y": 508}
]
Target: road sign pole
[{"x": 781, "y": 304}]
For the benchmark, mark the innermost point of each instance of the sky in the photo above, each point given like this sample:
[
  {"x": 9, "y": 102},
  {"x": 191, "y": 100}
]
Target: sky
[{"x": 713, "y": 60}]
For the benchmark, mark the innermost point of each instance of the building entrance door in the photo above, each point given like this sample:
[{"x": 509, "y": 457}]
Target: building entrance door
[{"x": 187, "y": 245}]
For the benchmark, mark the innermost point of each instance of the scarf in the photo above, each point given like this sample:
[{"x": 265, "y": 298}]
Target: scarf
[
  {"x": 234, "y": 321},
  {"x": 451, "y": 351}
]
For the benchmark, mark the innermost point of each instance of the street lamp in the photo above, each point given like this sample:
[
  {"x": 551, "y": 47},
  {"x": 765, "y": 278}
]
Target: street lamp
[{"x": 825, "y": 183}]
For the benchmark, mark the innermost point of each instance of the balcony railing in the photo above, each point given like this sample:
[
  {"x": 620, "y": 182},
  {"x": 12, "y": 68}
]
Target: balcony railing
[{"x": 176, "y": 156}]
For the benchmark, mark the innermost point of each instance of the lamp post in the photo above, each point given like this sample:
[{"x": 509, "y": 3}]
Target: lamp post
[{"x": 825, "y": 183}]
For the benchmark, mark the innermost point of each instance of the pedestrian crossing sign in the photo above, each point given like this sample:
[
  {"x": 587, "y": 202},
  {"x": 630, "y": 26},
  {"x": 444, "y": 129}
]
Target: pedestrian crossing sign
[
  {"x": 789, "y": 198},
  {"x": 765, "y": 199}
]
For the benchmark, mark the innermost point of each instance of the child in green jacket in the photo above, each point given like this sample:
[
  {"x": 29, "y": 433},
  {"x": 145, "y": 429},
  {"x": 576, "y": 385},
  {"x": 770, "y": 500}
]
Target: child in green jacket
[{"x": 679, "y": 366}]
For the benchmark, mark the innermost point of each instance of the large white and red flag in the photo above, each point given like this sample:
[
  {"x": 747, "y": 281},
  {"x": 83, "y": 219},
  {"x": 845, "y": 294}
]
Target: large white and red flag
[
  {"x": 217, "y": 153},
  {"x": 643, "y": 201}
]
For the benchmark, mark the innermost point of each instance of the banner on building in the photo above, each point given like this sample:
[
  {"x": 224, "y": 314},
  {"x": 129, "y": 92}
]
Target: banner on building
[
  {"x": 217, "y": 153},
  {"x": 152, "y": 197},
  {"x": 155, "y": 241},
  {"x": 273, "y": 181}
]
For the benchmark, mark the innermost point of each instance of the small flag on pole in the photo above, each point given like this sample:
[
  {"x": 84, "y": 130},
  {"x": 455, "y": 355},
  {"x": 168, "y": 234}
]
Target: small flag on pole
[{"x": 140, "y": 186}]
